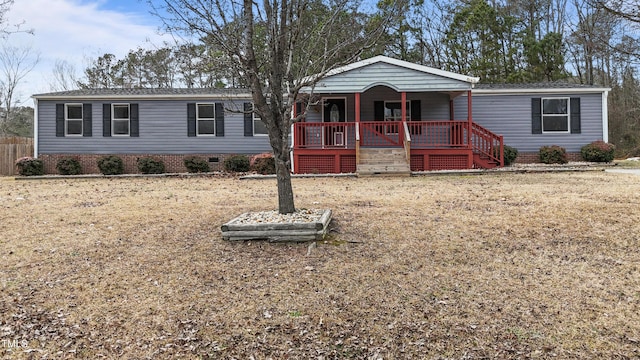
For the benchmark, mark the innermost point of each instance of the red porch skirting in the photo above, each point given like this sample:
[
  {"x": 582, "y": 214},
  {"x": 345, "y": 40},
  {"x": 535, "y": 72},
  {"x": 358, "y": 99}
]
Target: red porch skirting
[
  {"x": 439, "y": 159},
  {"x": 334, "y": 161}
]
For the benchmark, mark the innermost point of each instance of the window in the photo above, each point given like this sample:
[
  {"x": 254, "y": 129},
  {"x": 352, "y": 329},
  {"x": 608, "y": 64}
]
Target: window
[
  {"x": 555, "y": 115},
  {"x": 120, "y": 119},
  {"x": 259, "y": 128},
  {"x": 205, "y": 120},
  {"x": 73, "y": 120},
  {"x": 393, "y": 111}
]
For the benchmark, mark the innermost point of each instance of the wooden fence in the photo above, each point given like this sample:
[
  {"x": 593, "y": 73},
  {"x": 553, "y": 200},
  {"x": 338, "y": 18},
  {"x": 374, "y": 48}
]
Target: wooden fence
[{"x": 11, "y": 149}]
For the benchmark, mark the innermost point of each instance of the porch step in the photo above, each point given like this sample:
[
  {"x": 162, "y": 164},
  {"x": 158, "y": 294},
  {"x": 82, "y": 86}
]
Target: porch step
[{"x": 383, "y": 161}]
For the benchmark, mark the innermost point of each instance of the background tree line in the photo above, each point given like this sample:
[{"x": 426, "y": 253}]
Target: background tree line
[{"x": 594, "y": 42}]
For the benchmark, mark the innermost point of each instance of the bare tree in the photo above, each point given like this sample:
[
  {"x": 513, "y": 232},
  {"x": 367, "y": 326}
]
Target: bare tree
[
  {"x": 15, "y": 64},
  {"x": 280, "y": 47},
  {"x": 5, "y": 28},
  {"x": 64, "y": 76},
  {"x": 626, "y": 9}
]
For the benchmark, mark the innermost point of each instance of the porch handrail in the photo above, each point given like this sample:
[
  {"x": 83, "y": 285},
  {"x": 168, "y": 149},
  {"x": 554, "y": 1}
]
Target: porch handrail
[
  {"x": 487, "y": 143},
  {"x": 407, "y": 142},
  {"x": 381, "y": 133},
  {"x": 440, "y": 133},
  {"x": 323, "y": 135}
]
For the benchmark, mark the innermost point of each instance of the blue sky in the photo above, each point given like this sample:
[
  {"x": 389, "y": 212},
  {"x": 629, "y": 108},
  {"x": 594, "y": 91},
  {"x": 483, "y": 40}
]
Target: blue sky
[{"x": 78, "y": 31}]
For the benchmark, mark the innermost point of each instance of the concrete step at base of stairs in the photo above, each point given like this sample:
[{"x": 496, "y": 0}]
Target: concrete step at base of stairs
[
  {"x": 383, "y": 174},
  {"x": 382, "y": 168}
]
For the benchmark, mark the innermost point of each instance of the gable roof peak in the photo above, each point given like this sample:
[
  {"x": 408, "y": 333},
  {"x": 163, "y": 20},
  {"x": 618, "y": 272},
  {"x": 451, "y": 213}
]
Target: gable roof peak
[{"x": 403, "y": 64}]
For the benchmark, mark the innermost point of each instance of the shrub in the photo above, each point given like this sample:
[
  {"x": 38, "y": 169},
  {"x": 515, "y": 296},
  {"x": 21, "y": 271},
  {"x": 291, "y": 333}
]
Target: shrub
[
  {"x": 553, "y": 155},
  {"x": 195, "y": 164},
  {"x": 598, "y": 151},
  {"x": 510, "y": 154},
  {"x": 111, "y": 165},
  {"x": 148, "y": 165},
  {"x": 69, "y": 166},
  {"x": 28, "y": 166},
  {"x": 237, "y": 163},
  {"x": 263, "y": 164}
]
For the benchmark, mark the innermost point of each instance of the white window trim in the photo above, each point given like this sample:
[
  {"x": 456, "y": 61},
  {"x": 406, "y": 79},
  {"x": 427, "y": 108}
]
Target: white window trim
[
  {"x": 198, "y": 119},
  {"x": 346, "y": 105},
  {"x": 255, "y": 117},
  {"x": 398, "y": 101},
  {"x": 113, "y": 120},
  {"x": 568, "y": 115},
  {"x": 66, "y": 120}
]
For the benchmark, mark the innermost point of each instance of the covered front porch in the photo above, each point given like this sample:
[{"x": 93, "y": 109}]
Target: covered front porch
[{"x": 356, "y": 125}]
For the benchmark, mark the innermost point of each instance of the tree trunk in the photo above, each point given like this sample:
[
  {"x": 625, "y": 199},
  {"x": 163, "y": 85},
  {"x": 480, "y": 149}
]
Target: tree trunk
[{"x": 285, "y": 190}]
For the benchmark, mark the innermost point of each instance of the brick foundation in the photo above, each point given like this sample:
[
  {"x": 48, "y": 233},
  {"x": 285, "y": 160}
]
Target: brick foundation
[
  {"x": 172, "y": 163},
  {"x": 534, "y": 157}
]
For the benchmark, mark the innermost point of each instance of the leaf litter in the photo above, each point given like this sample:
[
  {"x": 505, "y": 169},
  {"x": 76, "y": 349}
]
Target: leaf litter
[{"x": 496, "y": 266}]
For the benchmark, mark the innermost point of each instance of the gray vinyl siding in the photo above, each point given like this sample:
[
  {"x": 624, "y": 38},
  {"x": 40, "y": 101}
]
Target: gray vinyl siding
[
  {"x": 162, "y": 128},
  {"x": 403, "y": 79},
  {"x": 510, "y": 116}
]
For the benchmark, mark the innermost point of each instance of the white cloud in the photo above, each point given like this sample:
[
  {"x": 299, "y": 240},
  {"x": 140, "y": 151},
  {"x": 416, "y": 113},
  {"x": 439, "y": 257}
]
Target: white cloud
[{"x": 76, "y": 32}]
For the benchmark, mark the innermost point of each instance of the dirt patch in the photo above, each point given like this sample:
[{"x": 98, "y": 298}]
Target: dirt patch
[{"x": 496, "y": 266}]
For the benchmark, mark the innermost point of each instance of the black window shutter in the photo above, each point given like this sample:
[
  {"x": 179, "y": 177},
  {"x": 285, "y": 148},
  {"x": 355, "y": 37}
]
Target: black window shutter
[
  {"x": 60, "y": 120},
  {"x": 416, "y": 115},
  {"x": 575, "y": 115},
  {"x": 248, "y": 119},
  {"x": 378, "y": 110},
  {"x": 298, "y": 108},
  {"x": 191, "y": 119},
  {"x": 536, "y": 116},
  {"x": 219, "y": 119},
  {"x": 416, "y": 110},
  {"x": 106, "y": 120},
  {"x": 87, "y": 120},
  {"x": 134, "y": 121}
]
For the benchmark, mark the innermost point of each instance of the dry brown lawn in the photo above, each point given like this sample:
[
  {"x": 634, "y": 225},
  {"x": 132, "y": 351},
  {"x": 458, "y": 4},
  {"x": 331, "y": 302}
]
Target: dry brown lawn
[{"x": 438, "y": 267}]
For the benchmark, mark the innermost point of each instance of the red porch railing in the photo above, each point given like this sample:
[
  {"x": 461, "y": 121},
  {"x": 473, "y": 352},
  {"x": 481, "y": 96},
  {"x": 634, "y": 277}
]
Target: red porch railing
[
  {"x": 325, "y": 135},
  {"x": 487, "y": 144},
  {"x": 438, "y": 134},
  {"x": 381, "y": 133},
  {"x": 452, "y": 134}
]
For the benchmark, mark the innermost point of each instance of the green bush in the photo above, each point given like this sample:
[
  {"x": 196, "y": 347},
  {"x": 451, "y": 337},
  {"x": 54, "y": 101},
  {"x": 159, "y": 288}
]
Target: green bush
[
  {"x": 510, "y": 154},
  {"x": 69, "y": 166},
  {"x": 111, "y": 165},
  {"x": 236, "y": 163},
  {"x": 28, "y": 166},
  {"x": 263, "y": 164},
  {"x": 195, "y": 164},
  {"x": 598, "y": 151},
  {"x": 553, "y": 154},
  {"x": 148, "y": 165}
]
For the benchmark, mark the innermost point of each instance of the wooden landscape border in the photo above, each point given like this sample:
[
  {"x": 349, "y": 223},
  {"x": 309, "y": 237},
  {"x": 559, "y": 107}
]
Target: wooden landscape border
[{"x": 277, "y": 232}]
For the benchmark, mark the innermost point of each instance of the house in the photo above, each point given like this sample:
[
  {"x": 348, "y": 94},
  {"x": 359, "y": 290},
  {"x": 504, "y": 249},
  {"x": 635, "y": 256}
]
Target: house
[
  {"x": 168, "y": 124},
  {"x": 354, "y": 121}
]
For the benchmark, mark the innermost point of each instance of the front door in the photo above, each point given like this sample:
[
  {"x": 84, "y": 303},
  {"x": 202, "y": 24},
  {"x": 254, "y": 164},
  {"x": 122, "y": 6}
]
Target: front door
[{"x": 334, "y": 112}]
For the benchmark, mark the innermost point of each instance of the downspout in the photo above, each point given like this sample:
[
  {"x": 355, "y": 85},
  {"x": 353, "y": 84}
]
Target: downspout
[
  {"x": 35, "y": 128},
  {"x": 605, "y": 116}
]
